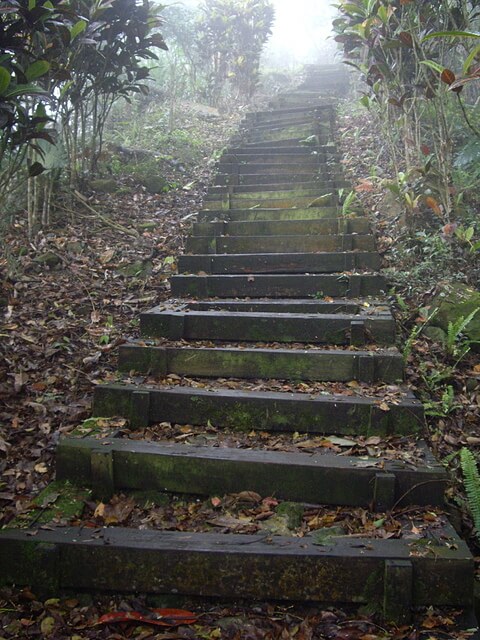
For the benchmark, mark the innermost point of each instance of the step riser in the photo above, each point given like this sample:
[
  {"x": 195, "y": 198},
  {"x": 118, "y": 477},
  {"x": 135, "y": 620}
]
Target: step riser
[
  {"x": 288, "y": 150},
  {"x": 279, "y": 263},
  {"x": 306, "y": 168},
  {"x": 287, "y": 244},
  {"x": 280, "y": 306},
  {"x": 268, "y": 215},
  {"x": 290, "y": 228},
  {"x": 259, "y": 180},
  {"x": 290, "y": 156},
  {"x": 341, "y": 366},
  {"x": 246, "y": 411},
  {"x": 247, "y": 193},
  {"x": 355, "y": 330},
  {"x": 277, "y": 286},
  {"x": 329, "y": 480},
  {"x": 278, "y": 188},
  {"x": 247, "y": 202},
  {"x": 292, "y": 569}
]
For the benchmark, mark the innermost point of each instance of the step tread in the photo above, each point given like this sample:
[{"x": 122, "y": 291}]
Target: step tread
[{"x": 262, "y": 567}]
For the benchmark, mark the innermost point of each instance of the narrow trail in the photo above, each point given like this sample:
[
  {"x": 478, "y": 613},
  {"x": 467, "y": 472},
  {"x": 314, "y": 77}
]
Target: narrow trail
[{"x": 277, "y": 284}]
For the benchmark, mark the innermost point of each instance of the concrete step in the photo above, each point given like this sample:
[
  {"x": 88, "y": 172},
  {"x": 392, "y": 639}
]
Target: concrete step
[
  {"x": 288, "y": 200},
  {"x": 343, "y": 365},
  {"x": 396, "y": 575},
  {"x": 278, "y": 286},
  {"x": 268, "y": 214},
  {"x": 279, "y": 244},
  {"x": 109, "y": 465},
  {"x": 283, "y": 228},
  {"x": 323, "y": 413},
  {"x": 337, "y": 180},
  {"x": 256, "y": 263},
  {"x": 276, "y": 186},
  {"x": 183, "y": 323}
]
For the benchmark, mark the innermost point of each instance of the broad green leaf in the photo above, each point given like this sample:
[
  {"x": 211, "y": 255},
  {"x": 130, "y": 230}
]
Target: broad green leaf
[
  {"x": 451, "y": 34},
  {"x": 433, "y": 65},
  {"x": 4, "y": 80},
  {"x": 37, "y": 69},
  {"x": 78, "y": 28},
  {"x": 35, "y": 169},
  {"x": 25, "y": 90},
  {"x": 470, "y": 58},
  {"x": 383, "y": 14}
]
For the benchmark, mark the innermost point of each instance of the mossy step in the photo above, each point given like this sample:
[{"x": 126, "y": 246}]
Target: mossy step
[
  {"x": 268, "y": 214},
  {"x": 110, "y": 465},
  {"x": 259, "y": 115},
  {"x": 391, "y": 576},
  {"x": 339, "y": 329},
  {"x": 278, "y": 286},
  {"x": 302, "y": 156},
  {"x": 279, "y": 306},
  {"x": 325, "y": 118},
  {"x": 285, "y": 142},
  {"x": 324, "y": 262},
  {"x": 261, "y": 410},
  {"x": 285, "y": 364},
  {"x": 263, "y": 200},
  {"x": 280, "y": 244},
  {"x": 246, "y": 193},
  {"x": 297, "y": 131},
  {"x": 336, "y": 179},
  {"x": 356, "y": 227},
  {"x": 321, "y": 152},
  {"x": 308, "y": 166},
  {"x": 277, "y": 187}
]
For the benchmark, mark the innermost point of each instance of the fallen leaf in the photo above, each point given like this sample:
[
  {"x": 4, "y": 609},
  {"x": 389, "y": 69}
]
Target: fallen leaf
[{"x": 158, "y": 617}]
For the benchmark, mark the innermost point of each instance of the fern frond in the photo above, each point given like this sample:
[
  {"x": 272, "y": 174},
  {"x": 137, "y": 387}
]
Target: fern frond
[
  {"x": 471, "y": 481},
  {"x": 455, "y": 329}
]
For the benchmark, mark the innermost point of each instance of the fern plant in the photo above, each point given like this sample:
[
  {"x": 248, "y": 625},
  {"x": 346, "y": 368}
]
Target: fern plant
[
  {"x": 471, "y": 481},
  {"x": 456, "y": 345}
]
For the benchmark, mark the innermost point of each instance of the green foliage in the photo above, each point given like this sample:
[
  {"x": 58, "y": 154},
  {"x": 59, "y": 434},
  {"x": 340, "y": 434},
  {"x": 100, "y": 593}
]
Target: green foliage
[
  {"x": 231, "y": 35},
  {"x": 405, "y": 52},
  {"x": 456, "y": 345},
  {"x": 471, "y": 480},
  {"x": 61, "y": 69},
  {"x": 415, "y": 332},
  {"x": 445, "y": 406}
]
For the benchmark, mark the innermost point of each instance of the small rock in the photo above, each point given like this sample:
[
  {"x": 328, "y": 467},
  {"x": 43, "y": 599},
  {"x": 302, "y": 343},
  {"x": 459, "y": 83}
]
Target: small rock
[
  {"x": 104, "y": 185},
  {"x": 154, "y": 184},
  {"x": 457, "y": 300},
  {"x": 436, "y": 334},
  {"x": 49, "y": 259}
]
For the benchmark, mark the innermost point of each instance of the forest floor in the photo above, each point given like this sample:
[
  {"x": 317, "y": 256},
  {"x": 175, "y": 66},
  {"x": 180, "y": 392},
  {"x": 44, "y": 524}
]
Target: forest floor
[{"x": 71, "y": 296}]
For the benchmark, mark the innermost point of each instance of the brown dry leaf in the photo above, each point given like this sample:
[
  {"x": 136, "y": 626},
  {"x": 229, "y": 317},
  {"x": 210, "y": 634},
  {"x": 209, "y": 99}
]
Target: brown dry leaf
[
  {"x": 248, "y": 496},
  {"x": 433, "y": 205},
  {"x": 99, "y": 511},
  {"x": 106, "y": 256},
  {"x": 41, "y": 467},
  {"x": 384, "y": 406}
]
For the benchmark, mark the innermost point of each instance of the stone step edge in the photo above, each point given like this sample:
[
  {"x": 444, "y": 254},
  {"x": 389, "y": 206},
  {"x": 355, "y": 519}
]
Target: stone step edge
[
  {"x": 278, "y": 285},
  {"x": 390, "y": 575},
  {"x": 285, "y": 364},
  {"x": 110, "y": 465},
  {"x": 286, "y": 412},
  {"x": 310, "y": 262},
  {"x": 354, "y": 329}
]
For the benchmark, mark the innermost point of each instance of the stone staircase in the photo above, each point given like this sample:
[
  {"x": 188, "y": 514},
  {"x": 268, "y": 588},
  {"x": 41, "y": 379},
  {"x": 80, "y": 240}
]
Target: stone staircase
[{"x": 277, "y": 283}]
